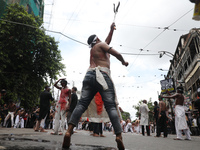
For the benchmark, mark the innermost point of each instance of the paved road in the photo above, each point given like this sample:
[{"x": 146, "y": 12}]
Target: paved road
[{"x": 28, "y": 139}]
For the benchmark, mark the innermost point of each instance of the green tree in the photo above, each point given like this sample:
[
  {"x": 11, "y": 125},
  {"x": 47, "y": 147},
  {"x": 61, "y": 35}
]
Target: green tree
[
  {"x": 150, "y": 106},
  {"x": 29, "y": 59},
  {"x": 125, "y": 115}
]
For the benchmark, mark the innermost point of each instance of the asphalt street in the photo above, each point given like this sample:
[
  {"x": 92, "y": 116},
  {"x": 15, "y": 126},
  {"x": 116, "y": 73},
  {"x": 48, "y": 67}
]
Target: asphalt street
[{"x": 17, "y": 139}]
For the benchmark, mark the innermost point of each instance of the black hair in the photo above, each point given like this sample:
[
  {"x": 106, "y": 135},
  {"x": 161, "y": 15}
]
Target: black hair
[
  {"x": 180, "y": 89},
  {"x": 47, "y": 86},
  {"x": 3, "y": 91},
  {"x": 90, "y": 39},
  {"x": 63, "y": 81},
  {"x": 198, "y": 93},
  {"x": 156, "y": 103},
  {"x": 75, "y": 89}
]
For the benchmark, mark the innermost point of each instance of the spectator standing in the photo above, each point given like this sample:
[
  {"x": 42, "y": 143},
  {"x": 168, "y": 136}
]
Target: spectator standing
[
  {"x": 11, "y": 109},
  {"x": 45, "y": 98},
  {"x": 62, "y": 106},
  {"x": 144, "y": 117},
  {"x": 180, "y": 119}
]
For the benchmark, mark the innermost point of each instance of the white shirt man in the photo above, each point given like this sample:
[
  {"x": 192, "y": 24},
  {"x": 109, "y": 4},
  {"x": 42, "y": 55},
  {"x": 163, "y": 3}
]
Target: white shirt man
[{"x": 144, "y": 117}]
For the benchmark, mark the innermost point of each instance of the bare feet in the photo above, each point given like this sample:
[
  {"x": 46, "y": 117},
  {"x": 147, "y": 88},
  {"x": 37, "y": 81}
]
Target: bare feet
[
  {"x": 102, "y": 135},
  {"x": 60, "y": 133},
  {"x": 120, "y": 144},
  {"x": 42, "y": 130},
  {"x": 53, "y": 133},
  {"x": 66, "y": 141},
  {"x": 177, "y": 139},
  {"x": 96, "y": 135},
  {"x": 35, "y": 129}
]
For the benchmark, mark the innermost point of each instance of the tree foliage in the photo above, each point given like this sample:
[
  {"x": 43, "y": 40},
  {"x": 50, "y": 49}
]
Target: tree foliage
[
  {"x": 29, "y": 59},
  {"x": 125, "y": 115},
  {"x": 150, "y": 106}
]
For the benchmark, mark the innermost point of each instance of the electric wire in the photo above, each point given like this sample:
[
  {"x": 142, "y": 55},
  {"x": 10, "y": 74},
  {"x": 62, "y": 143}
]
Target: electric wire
[
  {"x": 160, "y": 34},
  {"x": 57, "y": 32},
  {"x": 70, "y": 18},
  {"x": 44, "y": 30}
]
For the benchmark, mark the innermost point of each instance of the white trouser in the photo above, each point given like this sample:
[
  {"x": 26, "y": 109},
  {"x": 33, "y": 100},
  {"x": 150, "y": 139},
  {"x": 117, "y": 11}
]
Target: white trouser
[
  {"x": 42, "y": 123},
  {"x": 186, "y": 131},
  {"x": 53, "y": 124},
  {"x": 180, "y": 122},
  {"x": 7, "y": 117},
  {"x": 22, "y": 122},
  {"x": 128, "y": 126},
  {"x": 80, "y": 126},
  {"x": 19, "y": 121},
  {"x": 59, "y": 114},
  {"x": 66, "y": 125}
]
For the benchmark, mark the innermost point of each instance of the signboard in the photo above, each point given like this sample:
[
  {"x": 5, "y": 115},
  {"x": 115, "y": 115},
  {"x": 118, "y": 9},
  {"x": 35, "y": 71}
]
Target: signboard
[{"x": 167, "y": 84}]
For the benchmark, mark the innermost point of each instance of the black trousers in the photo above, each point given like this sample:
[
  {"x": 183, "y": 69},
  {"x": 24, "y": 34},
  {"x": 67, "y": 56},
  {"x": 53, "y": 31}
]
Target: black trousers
[
  {"x": 98, "y": 128},
  {"x": 147, "y": 129},
  {"x": 162, "y": 124}
]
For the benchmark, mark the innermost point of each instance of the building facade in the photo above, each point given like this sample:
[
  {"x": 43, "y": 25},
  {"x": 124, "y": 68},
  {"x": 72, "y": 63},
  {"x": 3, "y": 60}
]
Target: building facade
[
  {"x": 32, "y": 6},
  {"x": 185, "y": 65}
]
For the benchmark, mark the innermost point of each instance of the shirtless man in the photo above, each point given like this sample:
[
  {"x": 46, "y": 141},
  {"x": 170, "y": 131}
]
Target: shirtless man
[
  {"x": 97, "y": 79},
  {"x": 180, "y": 120},
  {"x": 11, "y": 109},
  {"x": 162, "y": 118},
  {"x": 62, "y": 105}
]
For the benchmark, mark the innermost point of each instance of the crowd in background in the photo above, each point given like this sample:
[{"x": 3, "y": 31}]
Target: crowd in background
[{"x": 26, "y": 118}]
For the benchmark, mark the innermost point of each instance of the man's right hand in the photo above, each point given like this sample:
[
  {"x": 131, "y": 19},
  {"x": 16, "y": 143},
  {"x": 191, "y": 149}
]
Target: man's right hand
[
  {"x": 125, "y": 63},
  {"x": 113, "y": 26}
]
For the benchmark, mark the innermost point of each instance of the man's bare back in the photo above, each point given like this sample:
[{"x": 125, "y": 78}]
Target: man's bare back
[
  {"x": 99, "y": 57},
  {"x": 179, "y": 99},
  {"x": 11, "y": 107},
  {"x": 162, "y": 106}
]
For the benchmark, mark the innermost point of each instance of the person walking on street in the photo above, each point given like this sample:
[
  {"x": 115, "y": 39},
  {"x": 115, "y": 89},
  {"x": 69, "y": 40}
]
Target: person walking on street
[
  {"x": 155, "y": 115},
  {"x": 11, "y": 109},
  {"x": 144, "y": 117},
  {"x": 45, "y": 98},
  {"x": 180, "y": 119},
  {"x": 97, "y": 79},
  {"x": 62, "y": 106},
  {"x": 73, "y": 103},
  {"x": 162, "y": 119}
]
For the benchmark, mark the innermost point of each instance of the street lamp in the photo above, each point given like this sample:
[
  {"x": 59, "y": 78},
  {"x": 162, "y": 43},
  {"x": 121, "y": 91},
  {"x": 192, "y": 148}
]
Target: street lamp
[{"x": 165, "y": 53}]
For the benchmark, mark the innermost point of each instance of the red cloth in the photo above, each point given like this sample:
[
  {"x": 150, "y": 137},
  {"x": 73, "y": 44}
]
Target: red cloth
[
  {"x": 99, "y": 103},
  {"x": 63, "y": 98}
]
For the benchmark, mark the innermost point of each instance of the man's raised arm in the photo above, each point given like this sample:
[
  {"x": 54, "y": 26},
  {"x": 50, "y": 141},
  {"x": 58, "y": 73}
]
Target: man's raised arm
[{"x": 109, "y": 37}]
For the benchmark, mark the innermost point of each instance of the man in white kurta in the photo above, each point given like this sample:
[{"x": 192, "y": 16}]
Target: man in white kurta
[
  {"x": 144, "y": 117},
  {"x": 180, "y": 120},
  {"x": 180, "y": 123}
]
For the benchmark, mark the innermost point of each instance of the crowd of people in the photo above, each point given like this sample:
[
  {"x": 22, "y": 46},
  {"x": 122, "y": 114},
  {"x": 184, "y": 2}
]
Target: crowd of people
[
  {"x": 66, "y": 113},
  {"x": 11, "y": 115}
]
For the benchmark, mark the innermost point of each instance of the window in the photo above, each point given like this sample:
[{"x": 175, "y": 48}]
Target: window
[{"x": 185, "y": 66}]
